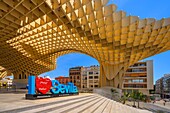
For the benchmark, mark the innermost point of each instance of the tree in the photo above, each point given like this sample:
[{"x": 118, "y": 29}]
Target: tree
[
  {"x": 138, "y": 96},
  {"x": 133, "y": 95},
  {"x": 125, "y": 97}
]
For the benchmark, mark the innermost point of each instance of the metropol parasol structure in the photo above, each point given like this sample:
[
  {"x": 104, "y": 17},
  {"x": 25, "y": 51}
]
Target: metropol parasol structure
[{"x": 33, "y": 33}]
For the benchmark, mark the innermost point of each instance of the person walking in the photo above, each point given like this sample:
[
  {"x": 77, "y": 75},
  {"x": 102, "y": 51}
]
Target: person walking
[{"x": 164, "y": 102}]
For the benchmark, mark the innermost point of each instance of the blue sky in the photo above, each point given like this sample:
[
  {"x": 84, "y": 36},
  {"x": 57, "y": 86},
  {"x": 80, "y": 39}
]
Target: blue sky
[{"x": 144, "y": 9}]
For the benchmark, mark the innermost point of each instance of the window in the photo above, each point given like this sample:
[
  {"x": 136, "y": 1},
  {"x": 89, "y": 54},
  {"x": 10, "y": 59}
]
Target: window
[
  {"x": 96, "y": 77},
  {"x": 20, "y": 76},
  {"x": 90, "y": 73},
  {"x": 95, "y": 85},
  {"x": 136, "y": 70},
  {"x": 90, "y": 77},
  {"x": 142, "y": 64}
]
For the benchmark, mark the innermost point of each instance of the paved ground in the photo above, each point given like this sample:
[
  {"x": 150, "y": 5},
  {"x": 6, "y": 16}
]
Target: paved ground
[
  {"x": 157, "y": 107},
  {"x": 83, "y": 103},
  {"x": 161, "y": 104}
]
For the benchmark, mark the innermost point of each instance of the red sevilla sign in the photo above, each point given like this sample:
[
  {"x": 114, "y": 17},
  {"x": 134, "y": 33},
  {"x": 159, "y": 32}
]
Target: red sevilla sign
[{"x": 43, "y": 85}]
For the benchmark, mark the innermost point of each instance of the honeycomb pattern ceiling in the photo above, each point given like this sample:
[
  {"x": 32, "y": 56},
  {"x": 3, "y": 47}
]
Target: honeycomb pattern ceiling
[{"x": 33, "y": 33}]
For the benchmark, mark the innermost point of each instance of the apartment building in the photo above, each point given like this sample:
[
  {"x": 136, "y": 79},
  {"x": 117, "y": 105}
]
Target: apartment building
[
  {"x": 84, "y": 78},
  {"x": 139, "y": 77},
  {"x": 75, "y": 76},
  {"x": 62, "y": 79},
  {"x": 90, "y": 77},
  {"x": 166, "y": 86},
  {"x": 159, "y": 86},
  {"x": 163, "y": 86}
]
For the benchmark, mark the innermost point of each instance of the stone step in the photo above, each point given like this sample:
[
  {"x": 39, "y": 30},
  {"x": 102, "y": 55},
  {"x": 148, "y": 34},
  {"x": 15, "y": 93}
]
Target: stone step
[
  {"x": 94, "y": 107},
  {"x": 81, "y": 108},
  {"x": 71, "y": 106},
  {"x": 23, "y": 107},
  {"x": 57, "y": 105},
  {"x": 77, "y": 104},
  {"x": 102, "y": 106},
  {"x": 108, "y": 107}
]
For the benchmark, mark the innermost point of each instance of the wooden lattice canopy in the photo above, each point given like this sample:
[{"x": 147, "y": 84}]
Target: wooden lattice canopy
[
  {"x": 33, "y": 33},
  {"x": 4, "y": 72}
]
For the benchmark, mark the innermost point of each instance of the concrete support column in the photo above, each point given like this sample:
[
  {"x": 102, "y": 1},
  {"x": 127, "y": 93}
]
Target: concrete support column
[
  {"x": 111, "y": 75},
  {"x": 102, "y": 78}
]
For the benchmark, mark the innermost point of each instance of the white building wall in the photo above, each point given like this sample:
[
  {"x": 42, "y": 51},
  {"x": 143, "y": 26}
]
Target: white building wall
[{"x": 94, "y": 69}]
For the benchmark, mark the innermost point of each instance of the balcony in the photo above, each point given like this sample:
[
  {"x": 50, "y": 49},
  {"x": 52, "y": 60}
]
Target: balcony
[
  {"x": 133, "y": 67},
  {"x": 135, "y": 82},
  {"x": 137, "y": 86},
  {"x": 141, "y": 70},
  {"x": 138, "y": 65},
  {"x": 129, "y": 72},
  {"x": 134, "y": 87},
  {"x": 134, "y": 77}
]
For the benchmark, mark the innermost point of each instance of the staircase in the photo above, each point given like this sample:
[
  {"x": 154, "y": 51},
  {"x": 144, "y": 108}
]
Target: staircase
[
  {"x": 91, "y": 103},
  {"x": 106, "y": 92}
]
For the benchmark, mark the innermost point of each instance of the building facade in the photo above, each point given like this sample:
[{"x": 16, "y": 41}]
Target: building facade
[
  {"x": 62, "y": 79},
  {"x": 90, "y": 77},
  {"x": 84, "y": 78},
  {"x": 159, "y": 86},
  {"x": 166, "y": 86},
  {"x": 163, "y": 86},
  {"x": 75, "y": 76},
  {"x": 139, "y": 77}
]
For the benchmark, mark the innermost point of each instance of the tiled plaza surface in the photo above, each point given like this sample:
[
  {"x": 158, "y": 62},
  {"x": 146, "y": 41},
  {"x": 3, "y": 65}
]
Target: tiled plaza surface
[
  {"x": 156, "y": 107},
  {"x": 82, "y": 103}
]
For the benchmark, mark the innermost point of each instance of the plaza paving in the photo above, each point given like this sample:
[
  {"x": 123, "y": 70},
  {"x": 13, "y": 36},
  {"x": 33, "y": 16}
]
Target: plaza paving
[
  {"x": 157, "y": 107},
  {"x": 160, "y": 104},
  {"x": 82, "y": 103}
]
